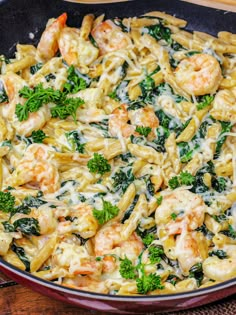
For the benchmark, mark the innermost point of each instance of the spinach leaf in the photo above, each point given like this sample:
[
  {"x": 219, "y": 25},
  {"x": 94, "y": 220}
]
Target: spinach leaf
[
  {"x": 166, "y": 89},
  {"x": 199, "y": 185},
  {"x": 130, "y": 209},
  {"x": 123, "y": 178},
  {"x": 225, "y": 127},
  {"x": 118, "y": 22},
  {"x": 196, "y": 272},
  {"x": 159, "y": 31},
  {"x": 169, "y": 122},
  {"x": 28, "y": 226},
  {"x": 162, "y": 134},
  {"x": 33, "y": 202},
  {"x": 74, "y": 139},
  {"x": 103, "y": 126},
  {"x": 35, "y": 68},
  {"x": 20, "y": 252},
  {"x": 3, "y": 94},
  {"x": 219, "y": 253}
]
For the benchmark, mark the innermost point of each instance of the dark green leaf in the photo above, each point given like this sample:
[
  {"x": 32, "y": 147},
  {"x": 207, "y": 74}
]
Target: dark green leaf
[{"x": 28, "y": 226}]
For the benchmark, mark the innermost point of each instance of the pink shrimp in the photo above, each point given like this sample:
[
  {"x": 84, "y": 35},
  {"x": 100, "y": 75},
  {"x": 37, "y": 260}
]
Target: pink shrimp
[
  {"x": 48, "y": 44},
  {"x": 109, "y": 37}
]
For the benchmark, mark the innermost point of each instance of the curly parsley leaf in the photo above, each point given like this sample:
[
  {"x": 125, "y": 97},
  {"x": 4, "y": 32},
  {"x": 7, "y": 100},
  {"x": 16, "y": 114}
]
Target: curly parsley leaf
[
  {"x": 107, "y": 213},
  {"x": 148, "y": 283},
  {"x": 144, "y": 131},
  {"x": 127, "y": 270},
  {"x": 186, "y": 178},
  {"x": 174, "y": 182},
  {"x": 98, "y": 164},
  {"x": 35, "y": 99},
  {"x": 7, "y": 202},
  {"x": 67, "y": 108},
  {"x": 155, "y": 253}
]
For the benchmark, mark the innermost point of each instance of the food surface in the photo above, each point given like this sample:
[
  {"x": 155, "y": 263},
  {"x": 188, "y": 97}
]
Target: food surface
[{"x": 118, "y": 156}]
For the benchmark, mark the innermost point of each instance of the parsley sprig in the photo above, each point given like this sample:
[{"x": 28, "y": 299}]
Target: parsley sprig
[
  {"x": 38, "y": 96},
  {"x": 145, "y": 282},
  {"x": 107, "y": 213},
  {"x": 98, "y": 164},
  {"x": 184, "y": 178},
  {"x": 144, "y": 131}
]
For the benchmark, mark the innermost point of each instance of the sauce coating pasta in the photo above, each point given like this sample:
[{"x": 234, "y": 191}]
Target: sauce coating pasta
[{"x": 118, "y": 156}]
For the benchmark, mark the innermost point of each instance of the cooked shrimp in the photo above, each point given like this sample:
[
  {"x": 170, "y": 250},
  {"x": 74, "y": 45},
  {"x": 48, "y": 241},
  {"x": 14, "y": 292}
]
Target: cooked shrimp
[
  {"x": 37, "y": 170},
  {"x": 199, "y": 74},
  {"x": 219, "y": 269},
  {"x": 189, "y": 208},
  {"x": 145, "y": 117},
  {"x": 85, "y": 283},
  {"x": 118, "y": 122},
  {"x": 187, "y": 251},
  {"x": 48, "y": 44},
  {"x": 35, "y": 121},
  {"x": 84, "y": 223},
  {"x": 76, "y": 259},
  {"x": 224, "y": 106},
  {"x": 108, "y": 240},
  {"x": 74, "y": 49},
  {"x": 109, "y": 37}
]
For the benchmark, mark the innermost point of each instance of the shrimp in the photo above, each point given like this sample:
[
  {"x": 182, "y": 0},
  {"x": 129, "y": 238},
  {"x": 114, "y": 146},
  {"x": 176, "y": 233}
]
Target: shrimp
[
  {"x": 48, "y": 44},
  {"x": 109, "y": 37},
  {"x": 108, "y": 241},
  {"x": 35, "y": 121},
  {"x": 189, "y": 208},
  {"x": 118, "y": 122},
  {"x": 224, "y": 106},
  {"x": 74, "y": 49},
  {"x": 83, "y": 223},
  {"x": 187, "y": 251},
  {"x": 219, "y": 269},
  {"x": 85, "y": 283},
  {"x": 36, "y": 169},
  {"x": 76, "y": 259},
  {"x": 199, "y": 74},
  {"x": 145, "y": 117}
]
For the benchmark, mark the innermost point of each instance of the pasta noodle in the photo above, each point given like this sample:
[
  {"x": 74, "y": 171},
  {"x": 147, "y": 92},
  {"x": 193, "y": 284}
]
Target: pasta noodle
[{"x": 118, "y": 156}]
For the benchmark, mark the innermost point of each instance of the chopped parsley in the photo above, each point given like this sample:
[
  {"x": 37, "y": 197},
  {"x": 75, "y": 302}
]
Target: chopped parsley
[
  {"x": 98, "y": 164},
  {"x": 144, "y": 131},
  {"x": 107, "y": 213}
]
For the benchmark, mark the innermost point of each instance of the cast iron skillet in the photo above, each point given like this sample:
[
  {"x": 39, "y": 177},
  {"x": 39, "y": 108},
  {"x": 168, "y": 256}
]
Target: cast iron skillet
[{"x": 19, "y": 19}]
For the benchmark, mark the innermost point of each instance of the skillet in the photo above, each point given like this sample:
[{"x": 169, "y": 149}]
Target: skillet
[{"x": 23, "y": 22}]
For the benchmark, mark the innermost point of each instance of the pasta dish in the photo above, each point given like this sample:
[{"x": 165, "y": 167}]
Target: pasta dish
[{"x": 118, "y": 155}]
